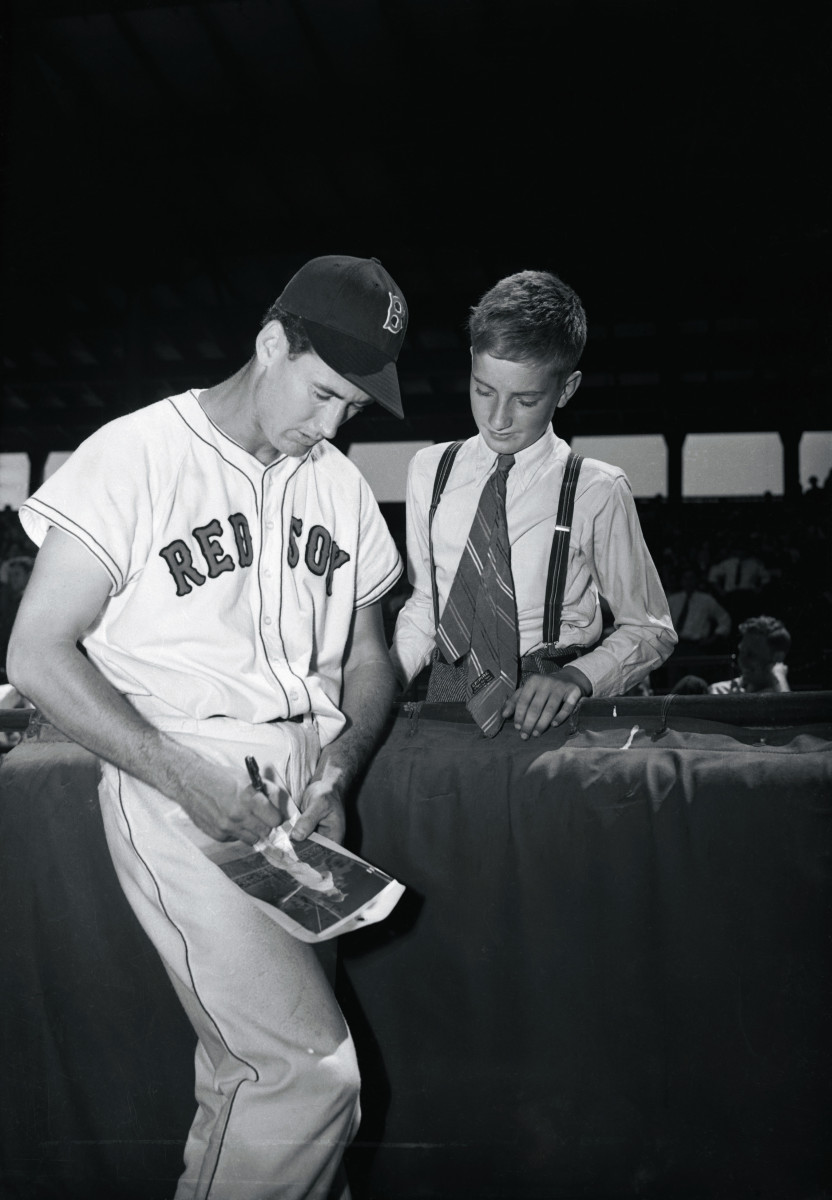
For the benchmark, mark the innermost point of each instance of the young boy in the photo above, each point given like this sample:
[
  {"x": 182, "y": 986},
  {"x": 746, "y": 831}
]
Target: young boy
[{"x": 527, "y": 335}]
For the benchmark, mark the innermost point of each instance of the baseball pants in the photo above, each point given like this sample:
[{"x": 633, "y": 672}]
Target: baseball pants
[{"x": 276, "y": 1079}]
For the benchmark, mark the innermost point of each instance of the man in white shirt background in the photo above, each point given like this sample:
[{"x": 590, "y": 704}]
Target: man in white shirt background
[
  {"x": 698, "y": 618},
  {"x": 739, "y": 578}
]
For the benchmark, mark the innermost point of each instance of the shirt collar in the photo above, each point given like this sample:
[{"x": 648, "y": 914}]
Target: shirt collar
[
  {"x": 189, "y": 407},
  {"x": 527, "y": 462}
]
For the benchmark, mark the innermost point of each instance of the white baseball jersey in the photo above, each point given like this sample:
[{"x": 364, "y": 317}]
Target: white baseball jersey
[{"x": 233, "y": 583}]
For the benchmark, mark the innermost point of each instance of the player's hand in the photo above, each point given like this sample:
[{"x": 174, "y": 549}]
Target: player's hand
[
  {"x": 543, "y": 701},
  {"x": 321, "y": 807},
  {"x": 229, "y": 809}
]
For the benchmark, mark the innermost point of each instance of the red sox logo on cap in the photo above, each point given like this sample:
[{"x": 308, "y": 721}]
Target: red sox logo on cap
[
  {"x": 396, "y": 316},
  {"x": 355, "y": 316}
]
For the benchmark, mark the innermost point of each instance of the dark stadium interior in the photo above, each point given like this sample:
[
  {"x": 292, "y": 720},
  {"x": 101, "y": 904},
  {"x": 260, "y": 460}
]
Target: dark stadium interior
[{"x": 168, "y": 165}]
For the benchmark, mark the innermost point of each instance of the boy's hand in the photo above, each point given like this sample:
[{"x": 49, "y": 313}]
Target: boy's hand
[{"x": 546, "y": 700}]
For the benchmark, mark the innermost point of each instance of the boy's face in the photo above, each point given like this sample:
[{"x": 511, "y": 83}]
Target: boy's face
[
  {"x": 755, "y": 658},
  {"x": 513, "y": 402}
]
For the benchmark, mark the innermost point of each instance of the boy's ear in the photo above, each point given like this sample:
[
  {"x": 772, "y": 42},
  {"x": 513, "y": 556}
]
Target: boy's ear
[
  {"x": 573, "y": 382},
  {"x": 270, "y": 342}
]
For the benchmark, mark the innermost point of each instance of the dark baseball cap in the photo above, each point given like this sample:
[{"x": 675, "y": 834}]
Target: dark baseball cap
[{"x": 355, "y": 316}]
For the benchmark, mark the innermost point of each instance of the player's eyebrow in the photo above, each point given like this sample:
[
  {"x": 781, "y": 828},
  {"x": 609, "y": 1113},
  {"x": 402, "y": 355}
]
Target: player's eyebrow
[
  {"x": 491, "y": 388},
  {"x": 331, "y": 391}
]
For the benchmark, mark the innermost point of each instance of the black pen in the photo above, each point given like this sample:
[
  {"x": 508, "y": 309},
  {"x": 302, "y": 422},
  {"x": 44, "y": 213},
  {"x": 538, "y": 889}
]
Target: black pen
[{"x": 255, "y": 776}]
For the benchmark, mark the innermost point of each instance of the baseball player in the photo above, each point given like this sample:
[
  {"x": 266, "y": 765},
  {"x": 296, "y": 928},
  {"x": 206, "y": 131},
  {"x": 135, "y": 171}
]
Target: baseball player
[{"x": 207, "y": 587}]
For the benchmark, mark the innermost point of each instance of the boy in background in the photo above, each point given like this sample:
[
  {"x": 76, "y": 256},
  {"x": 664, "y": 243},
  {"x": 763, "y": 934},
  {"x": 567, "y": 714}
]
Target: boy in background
[{"x": 761, "y": 657}]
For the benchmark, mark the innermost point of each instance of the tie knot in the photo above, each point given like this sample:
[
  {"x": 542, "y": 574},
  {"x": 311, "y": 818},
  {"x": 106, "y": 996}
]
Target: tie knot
[{"x": 504, "y": 463}]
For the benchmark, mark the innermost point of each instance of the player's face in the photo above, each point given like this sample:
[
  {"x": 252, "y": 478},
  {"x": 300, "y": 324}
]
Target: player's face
[
  {"x": 301, "y": 401},
  {"x": 513, "y": 402}
]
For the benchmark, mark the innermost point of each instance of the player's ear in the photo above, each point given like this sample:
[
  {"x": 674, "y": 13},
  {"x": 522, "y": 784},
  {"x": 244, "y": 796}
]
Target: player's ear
[
  {"x": 271, "y": 342},
  {"x": 570, "y": 387}
]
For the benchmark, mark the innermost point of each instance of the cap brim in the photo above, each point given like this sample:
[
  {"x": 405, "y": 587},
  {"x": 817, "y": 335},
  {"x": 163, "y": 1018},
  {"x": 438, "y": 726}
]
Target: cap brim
[{"x": 358, "y": 363}]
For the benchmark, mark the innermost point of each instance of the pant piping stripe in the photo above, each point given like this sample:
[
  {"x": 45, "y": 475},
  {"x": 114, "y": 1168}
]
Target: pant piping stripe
[{"x": 194, "y": 988}]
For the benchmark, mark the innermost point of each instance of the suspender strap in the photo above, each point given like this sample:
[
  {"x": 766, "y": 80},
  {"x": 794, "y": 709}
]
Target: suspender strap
[
  {"x": 556, "y": 578},
  {"x": 446, "y": 462}
]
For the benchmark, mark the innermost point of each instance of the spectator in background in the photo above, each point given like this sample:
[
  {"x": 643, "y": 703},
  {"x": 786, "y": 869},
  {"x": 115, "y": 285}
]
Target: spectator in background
[
  {"x": 814, "y": 491},
  {"x": 739, "y": 579},
  {"x": 699, "y": 619},
  {"x": 14, "y": 575},
  {"x": 738, "y": 571},
  {"x": 690, "y": 685},
  {"x": 761, "y": 657}
]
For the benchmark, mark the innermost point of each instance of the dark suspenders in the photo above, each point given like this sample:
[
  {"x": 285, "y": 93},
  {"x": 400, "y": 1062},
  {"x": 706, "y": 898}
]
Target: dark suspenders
[
  {"x": 556, "y": 577},
  {"x": 441, "y": 478},
  {"x": 559, "y": 557}
]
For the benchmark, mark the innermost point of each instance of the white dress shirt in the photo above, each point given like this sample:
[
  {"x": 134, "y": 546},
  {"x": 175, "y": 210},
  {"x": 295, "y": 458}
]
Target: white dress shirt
[
  {"x": 607, "y": 556},
  {"x": 739, "y": 573},
  {"x": 705, "y": 616}
]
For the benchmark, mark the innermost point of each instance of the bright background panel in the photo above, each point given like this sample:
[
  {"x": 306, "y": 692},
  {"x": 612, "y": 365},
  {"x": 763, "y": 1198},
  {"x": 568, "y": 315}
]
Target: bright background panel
[
  {"x": 643, "y": 458},
  {"x": 384, "y": 466},
  {"x": 815, "y": 456},
  {"x": 732, "y": 464}
]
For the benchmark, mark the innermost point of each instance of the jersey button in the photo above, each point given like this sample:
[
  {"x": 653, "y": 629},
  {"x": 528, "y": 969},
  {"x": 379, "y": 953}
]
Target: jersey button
[
  {"x": 270, "y": 524},
  {"x": 267, "y": 620}
]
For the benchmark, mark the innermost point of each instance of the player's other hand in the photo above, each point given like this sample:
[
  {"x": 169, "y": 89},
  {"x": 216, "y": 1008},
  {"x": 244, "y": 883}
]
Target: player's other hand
[
  {"x": 321, "y": 807},
  {"x": 545, "y": 700},
  {"x": 229, "y": 809}
]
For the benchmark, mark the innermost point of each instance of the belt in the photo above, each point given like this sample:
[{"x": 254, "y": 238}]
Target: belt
[{"x": 557, "y": 656}]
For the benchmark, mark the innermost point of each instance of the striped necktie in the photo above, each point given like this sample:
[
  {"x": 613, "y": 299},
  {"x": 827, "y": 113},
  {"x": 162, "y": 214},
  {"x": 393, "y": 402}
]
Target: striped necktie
[{"x": 480, "y": 615}]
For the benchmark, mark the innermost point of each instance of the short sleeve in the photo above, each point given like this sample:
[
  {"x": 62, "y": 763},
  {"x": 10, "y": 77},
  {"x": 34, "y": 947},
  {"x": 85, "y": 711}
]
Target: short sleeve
[
  {"x": 379, "y": 562},
  {"x": 101, "y": 496}
]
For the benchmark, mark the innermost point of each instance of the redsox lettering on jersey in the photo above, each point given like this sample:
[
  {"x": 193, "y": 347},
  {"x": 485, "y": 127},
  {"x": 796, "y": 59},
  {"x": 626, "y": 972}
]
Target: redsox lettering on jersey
[
  {"x": 322, "y": 555},
  {"x": 208, "y": 548}
]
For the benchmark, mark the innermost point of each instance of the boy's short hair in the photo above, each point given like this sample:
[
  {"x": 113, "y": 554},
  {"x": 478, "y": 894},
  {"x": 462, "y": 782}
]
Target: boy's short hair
[
  {"x": 774, "y": 631},
  {"x": 532, "y": 316},
  {"x": 296, "y": 335}
]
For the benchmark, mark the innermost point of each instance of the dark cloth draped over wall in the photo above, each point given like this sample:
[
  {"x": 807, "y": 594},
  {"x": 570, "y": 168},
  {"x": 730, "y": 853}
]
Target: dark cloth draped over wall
[
  {"x": 97, "y": 1074},
  {"x": 609, "y": 976}
]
